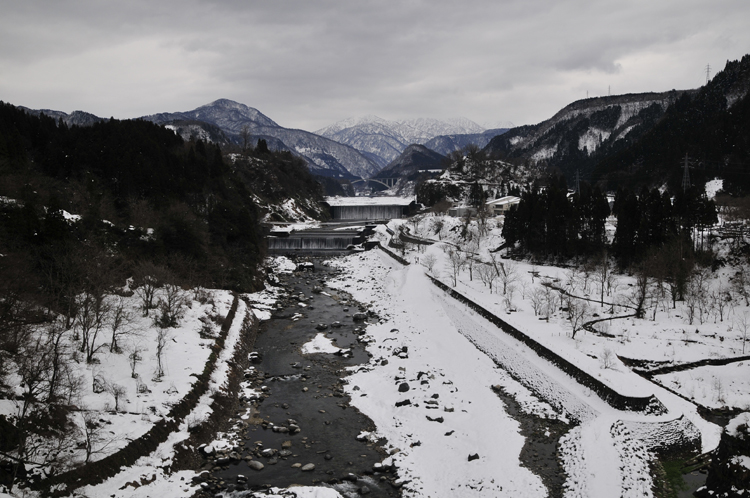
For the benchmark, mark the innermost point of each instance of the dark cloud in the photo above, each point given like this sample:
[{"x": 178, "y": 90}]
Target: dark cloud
[{"x": 307, "y": 64}]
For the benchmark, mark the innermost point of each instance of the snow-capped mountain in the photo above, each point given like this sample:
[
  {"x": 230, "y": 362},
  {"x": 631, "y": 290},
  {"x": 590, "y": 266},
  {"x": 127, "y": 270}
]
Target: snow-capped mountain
[
  {"x": 383, "y": 140},
  {"x": 325, "y": 157}
]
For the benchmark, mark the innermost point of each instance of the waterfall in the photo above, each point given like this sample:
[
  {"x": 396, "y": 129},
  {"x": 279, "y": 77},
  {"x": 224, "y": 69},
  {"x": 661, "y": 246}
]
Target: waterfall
[{"x": 311, "y": 242}]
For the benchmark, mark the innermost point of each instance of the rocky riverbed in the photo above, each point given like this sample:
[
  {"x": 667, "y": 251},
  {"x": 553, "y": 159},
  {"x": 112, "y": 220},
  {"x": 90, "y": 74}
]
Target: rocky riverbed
[{"x": 296, "y": 426}]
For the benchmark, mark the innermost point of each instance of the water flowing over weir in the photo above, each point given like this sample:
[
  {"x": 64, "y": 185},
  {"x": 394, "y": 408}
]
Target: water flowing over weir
[{"x": 317, "y": 242}]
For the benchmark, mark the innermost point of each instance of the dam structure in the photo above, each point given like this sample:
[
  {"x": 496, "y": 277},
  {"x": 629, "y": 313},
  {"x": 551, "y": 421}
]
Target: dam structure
[
  {"x": 317, "y": 241},
  {"x": 370, "y": 208}
]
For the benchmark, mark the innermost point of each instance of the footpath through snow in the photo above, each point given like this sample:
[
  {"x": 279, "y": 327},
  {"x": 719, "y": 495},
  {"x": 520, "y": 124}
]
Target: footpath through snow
[{"x": 429, "y": 393}]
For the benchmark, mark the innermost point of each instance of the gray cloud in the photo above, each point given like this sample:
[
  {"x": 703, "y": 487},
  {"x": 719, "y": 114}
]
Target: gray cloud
[{"x": 307, "y": 64}]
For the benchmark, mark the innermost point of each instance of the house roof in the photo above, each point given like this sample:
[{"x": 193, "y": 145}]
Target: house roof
[{"x": 508, "y": 199}]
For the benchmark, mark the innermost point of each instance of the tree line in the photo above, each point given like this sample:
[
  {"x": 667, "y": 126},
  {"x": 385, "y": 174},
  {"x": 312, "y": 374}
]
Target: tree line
[
  {"x": 546, "y": 223},
  {"x": 550, "y": 223}
]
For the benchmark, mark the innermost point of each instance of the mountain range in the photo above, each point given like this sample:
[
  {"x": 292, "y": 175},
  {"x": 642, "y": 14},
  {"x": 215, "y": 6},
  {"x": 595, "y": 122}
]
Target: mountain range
[
  {"x": 348, "y": 149},
  {"x": 324, "y": 157},
  {"x": 383, "y": 140},
  {"x": 596, "y": 139}
]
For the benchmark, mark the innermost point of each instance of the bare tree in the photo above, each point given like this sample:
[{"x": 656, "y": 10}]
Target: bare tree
[
  {"x": 607, "y": 359},
  {"x": 148, "y": 278},
  {"x": 741, "y": 282},
  {"x": 720, "y": 300},
  {"x": 171, "y": 306},
  {"x": 578, "y": 312},
  {"x": 119, "y": 321},
  {"x": 602, "y": 274},
  {"x": 538, "y": 300},
  {"x": 42, "y": 430},
  {"x": 134, "y": 358},
  {"x": 471, "y": 247},
  {"x": 456, "y": 262},
  {"x": 573, "y": 278},
  {"x": 507, "y": 272},
  {"x": 742, "y": 322},
  {"x": 162, "y": 338},
  {"x": 639, "y": 296},
  {"x": 429, "y": 262},
  {"x": 61, "y": 378},
  {"x": 550, "y": 299},
  {"x": 487, "y": 274},
  {"x": 94, "y": 441},
  {"x": 91, "y": 316},
  {"x": 117, "y": 391}
]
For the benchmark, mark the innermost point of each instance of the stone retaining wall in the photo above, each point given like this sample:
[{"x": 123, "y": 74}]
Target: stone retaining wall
[
  {"x": 618, "y": 401},
  {"x": 393, "y": 255},
  {"x": 671, "y": 438}
]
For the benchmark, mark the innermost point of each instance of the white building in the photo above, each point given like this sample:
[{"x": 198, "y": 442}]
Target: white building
[{"x": 502, "y": 205}]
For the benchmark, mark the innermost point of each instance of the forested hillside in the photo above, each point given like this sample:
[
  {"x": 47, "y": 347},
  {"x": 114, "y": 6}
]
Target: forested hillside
[
  {"x": 118, "y": 194},
  {"x": 711, "y": 127}
]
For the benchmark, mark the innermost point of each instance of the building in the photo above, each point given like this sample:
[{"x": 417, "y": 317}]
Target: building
[
  {"x": 370, "y": 208},
  {"x": 461, "y": 210},
  {"x": 500, "y": 206}
]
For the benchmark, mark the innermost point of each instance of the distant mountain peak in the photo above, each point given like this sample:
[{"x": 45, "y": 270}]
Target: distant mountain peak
[{"x": 383, "y": 140}]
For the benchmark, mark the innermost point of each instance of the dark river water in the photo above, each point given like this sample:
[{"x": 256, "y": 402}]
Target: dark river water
[{"x": 308, "y": 390}]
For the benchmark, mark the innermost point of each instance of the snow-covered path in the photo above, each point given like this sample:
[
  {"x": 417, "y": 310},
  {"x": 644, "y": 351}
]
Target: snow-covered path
[
  {"x": 452, "y": 412},
  {"x": 443, "y": 338}
]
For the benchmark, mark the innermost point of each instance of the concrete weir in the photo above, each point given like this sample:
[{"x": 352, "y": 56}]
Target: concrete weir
[{"x": 318, "y": 241}]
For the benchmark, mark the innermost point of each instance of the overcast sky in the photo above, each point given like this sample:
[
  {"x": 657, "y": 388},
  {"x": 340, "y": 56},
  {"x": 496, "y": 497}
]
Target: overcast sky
[{"x": 307, "y": 64}]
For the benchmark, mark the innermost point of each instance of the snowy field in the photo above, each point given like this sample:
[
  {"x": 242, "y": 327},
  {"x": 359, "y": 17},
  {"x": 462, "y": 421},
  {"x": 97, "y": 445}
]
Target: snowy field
[{"x": 121, "y": 390}]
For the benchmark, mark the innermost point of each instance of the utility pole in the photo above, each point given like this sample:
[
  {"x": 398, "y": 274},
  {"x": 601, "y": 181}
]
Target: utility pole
[
  {"x": 708, "y": 72},
  {"x": 685, "y": 176},
  {"x": 578, "y": 183}
]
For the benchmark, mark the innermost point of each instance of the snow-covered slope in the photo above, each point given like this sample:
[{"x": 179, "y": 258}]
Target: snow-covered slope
[{"x": 586, "y": 124}]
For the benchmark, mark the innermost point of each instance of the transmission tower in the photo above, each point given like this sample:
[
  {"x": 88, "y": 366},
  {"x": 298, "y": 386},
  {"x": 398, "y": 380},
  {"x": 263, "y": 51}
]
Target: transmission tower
[
  {"x": 685, "y": 176},
  {"x": 708, "y": 72}
]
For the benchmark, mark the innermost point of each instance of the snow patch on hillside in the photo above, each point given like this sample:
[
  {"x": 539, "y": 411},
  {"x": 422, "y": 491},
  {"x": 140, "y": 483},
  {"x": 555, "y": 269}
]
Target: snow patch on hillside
[
  {"x": 592, "y": 139},
  {"x": 544, "y": 153}
]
